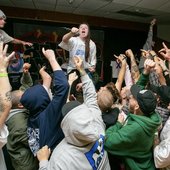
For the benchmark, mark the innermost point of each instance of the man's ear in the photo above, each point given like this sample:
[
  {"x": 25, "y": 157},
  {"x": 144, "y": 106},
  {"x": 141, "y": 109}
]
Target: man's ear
[
  {"x": 136, "y": 108},
  {"x": 20, "y": 106}
]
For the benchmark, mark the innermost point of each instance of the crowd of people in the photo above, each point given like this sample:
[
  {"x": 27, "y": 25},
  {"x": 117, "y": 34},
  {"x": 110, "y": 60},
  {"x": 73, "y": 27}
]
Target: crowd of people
[{"x": 64, "y": 122}]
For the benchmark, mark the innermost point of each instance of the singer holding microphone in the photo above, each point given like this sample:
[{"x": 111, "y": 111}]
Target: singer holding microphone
[{"x": 78, "y": 43}]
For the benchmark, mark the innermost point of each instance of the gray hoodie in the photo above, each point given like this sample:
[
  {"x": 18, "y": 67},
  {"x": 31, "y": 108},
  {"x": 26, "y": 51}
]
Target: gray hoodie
[{"x": 84, "y": 130}]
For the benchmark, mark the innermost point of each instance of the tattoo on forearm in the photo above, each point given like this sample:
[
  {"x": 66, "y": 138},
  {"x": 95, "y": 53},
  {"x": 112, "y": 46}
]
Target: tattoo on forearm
[
  {"x": 135, "y": 68},
  {"x": 1, "y": 106},
  {"x": 8, "y": 96}
]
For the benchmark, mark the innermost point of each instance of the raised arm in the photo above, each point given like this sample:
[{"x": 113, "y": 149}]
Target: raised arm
[
  {"x": 134, "y": 67},
  {"x": 149, "y": 41},
  {"x": 26, "y": 79},
  {"x": 50, "y": 56},
  {"x": 121, "y": 58},
  {"x": 17, "y": 41},
  {"x": 89, "y": 92},
  {"x": 5, "y": 87},
  {"x": 67, "y": 36}
]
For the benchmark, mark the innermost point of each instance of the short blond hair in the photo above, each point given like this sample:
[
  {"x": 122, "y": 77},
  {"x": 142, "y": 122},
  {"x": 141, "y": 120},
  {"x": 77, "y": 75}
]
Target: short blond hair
[{"x": 105, "y": 101}]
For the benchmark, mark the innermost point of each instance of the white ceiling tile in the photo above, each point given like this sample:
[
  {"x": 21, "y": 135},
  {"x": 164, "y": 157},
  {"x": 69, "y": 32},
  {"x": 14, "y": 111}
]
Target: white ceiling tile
[
  {"x": 45, "y": 7},
  {"x": 45, "y": 1},
  {"x": 82, "y": 11},
  {"x": 151, "y": 4},
  {"x": 127, "y": 2},
  {"x": 165, "y": 7},
  {"x": 65, "y": 9},
  {"x": 24, "y": 4},
  {"x": 93, "y": 4},
  {"x": 73, "y": 3},
  {"x": 113, "y": 7},
  {"x": 6, "y": 3}
]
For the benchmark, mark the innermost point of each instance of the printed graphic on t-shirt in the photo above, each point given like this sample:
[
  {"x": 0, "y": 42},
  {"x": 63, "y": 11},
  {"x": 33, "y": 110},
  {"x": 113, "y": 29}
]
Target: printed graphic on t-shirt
[
  {"x": 33, "y": 139},
  {"x": 80, "y": 52},
  {"x": 96, "y": 153}
]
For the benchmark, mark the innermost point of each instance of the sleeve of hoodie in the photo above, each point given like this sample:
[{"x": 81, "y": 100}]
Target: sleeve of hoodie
[
  {"x": 120, "y": 140},
  {"x": 43, "y": 165},
  {"x": 89, "y": 93},
  {"x": 162, "y": 154},
  {"x": 60, "y": 87},
  {"x": 26, "y": 81},
  {"x": 143, "y": 80}
]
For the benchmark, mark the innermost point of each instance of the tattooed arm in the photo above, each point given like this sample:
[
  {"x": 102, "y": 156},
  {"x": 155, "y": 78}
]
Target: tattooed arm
[
  {"x": 5, "y": 87},
  {"x": 134, "y": 67}
]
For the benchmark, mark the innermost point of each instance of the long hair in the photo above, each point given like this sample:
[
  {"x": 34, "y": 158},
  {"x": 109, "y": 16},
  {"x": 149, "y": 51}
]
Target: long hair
[{"x": 87, "y": 43}]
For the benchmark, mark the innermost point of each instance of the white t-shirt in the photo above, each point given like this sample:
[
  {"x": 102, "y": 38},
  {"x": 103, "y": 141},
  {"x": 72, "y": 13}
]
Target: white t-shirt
[
  {"x": 115, "y": 68},
  {"x": 4, "y": 37},
  {"x": 76, "y": 47}
]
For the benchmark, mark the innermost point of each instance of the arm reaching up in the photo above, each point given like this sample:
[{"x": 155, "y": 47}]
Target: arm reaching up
[{"x": 5, "y": 87}]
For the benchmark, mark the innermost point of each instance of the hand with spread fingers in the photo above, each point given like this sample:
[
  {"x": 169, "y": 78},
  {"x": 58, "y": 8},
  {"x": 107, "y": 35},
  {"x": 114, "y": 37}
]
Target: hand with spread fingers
[
  {"x": 121, "y": 58},
  {"x": 4, "y": 59},
  {"x": 165, "y": 52}
]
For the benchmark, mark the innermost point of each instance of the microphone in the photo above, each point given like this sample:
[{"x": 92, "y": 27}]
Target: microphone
[
  {"x": 69, "y": 29},
  {"x": 66, "y": 28}
]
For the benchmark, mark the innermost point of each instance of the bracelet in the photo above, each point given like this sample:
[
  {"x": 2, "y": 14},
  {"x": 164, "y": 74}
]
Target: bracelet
[
  {"x": 165, "y": 71},
  {"x": 154, "y": 55},
  {"x": 3, "y": 74}
]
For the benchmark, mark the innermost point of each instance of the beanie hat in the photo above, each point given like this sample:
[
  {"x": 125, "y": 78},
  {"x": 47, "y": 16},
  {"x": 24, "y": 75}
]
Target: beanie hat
[
  {"x": 69, "y": 106},
  {"x": 2, "y": 15},
  {"x": 145, "y": 98}
]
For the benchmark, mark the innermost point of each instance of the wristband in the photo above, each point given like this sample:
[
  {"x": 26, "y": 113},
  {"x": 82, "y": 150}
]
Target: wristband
[
  {"x": 3, "y": 74},
  {"x": 165, "y": 71},
  {"x": 154, "y": 55}
]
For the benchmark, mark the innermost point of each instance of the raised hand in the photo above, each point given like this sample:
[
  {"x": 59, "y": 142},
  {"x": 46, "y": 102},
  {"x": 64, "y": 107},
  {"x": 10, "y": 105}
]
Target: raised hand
[
  {"x": 26, "y": 67},
  {"x": 74, "y": 30},
  {"x": 165, "y": 52},
  {"x": 149, "y": 64},
  {"x": 145, "y": 53},
  {"x": 129, "y": 53},
  {"x": 49, "y": 54},
  {"x": 4, "y": 59},
  {"x": 72, "y": 77},
  {"x": 153, "y": 22},
  {"x": 121, "y": 58},
  {"x": 78, "y": 62}
]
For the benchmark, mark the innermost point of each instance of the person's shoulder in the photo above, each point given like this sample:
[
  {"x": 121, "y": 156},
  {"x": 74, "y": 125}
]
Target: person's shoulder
[
  {"x": 92, "y": 42},
  {"x": 2, "y": 31}
]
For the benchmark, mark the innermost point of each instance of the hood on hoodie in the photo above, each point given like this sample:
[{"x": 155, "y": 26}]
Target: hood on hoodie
[
  {"x": 80, "y": 127},
  {"x": 35, "y": 99},
  {"x": 149, "y": 124}
]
